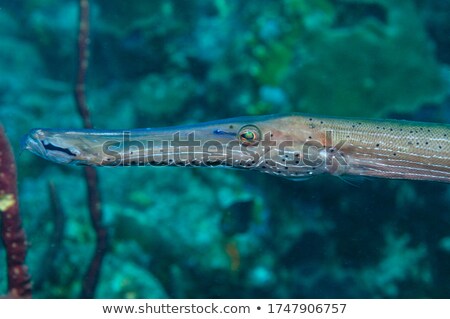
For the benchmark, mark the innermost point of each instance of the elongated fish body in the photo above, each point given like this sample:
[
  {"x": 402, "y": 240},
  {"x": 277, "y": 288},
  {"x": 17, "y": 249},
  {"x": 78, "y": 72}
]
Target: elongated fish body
[{"x": 295, "y": 146}]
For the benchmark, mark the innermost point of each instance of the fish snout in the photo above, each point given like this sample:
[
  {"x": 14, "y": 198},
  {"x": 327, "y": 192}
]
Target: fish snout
[
  {"x": 46, "y": 145},
  {"x": 32, "y": 142}
]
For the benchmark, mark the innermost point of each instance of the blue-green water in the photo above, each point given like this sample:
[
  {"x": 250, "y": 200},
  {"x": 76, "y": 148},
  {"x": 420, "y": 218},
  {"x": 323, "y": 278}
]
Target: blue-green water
[{"x": 199, "y": 233}]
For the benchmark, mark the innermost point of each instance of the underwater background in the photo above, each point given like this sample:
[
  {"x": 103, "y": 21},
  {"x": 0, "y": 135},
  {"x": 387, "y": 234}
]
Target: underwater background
[{"x": 202, "y": 233}]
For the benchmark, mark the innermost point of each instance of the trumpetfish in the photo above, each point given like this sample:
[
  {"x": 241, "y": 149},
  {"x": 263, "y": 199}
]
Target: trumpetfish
[{"x": 296, "y": 146}]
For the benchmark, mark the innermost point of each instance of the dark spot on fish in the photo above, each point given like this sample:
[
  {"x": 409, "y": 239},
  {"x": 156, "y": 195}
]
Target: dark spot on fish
[{"x": 51, "y": 147}]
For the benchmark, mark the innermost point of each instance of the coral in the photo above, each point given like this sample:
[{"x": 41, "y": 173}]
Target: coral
[
  {"x": 13, "y": 235},
  {"x": 400, "y": 262},
  {"x": 131, "y": 281},
  {"x": 360, "y": 70},
  {"x": 157, "y": 96}
]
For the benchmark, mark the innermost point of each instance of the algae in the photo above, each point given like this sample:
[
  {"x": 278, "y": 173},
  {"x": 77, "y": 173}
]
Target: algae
[{"x": 6, "y": 201}]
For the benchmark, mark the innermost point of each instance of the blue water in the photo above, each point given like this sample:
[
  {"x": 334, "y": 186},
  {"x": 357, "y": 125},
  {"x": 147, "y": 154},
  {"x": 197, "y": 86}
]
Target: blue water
[{"x": 200, "y": 233}]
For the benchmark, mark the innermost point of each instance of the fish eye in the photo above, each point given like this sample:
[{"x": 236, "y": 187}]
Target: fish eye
[{"x": 249, "y": 135}]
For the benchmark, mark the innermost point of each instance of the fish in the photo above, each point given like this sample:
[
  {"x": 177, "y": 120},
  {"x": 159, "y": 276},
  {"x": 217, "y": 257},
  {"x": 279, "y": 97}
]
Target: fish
[{"x": 294, "y": 146}]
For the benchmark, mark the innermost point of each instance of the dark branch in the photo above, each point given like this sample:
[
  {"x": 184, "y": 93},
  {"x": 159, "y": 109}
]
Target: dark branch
[
  {"x": 49, "y": 263},
  {"x": 83, "y": 63},
  {"x": 90, "y": 280}
]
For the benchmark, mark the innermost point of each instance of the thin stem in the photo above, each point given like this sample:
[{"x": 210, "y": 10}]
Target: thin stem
[{"x": 90, "y": 279}]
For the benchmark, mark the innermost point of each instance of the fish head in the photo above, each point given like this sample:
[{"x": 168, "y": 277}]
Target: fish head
[
  {"x": 60, "y": 146},
  {"x": 270, "y": 144}
]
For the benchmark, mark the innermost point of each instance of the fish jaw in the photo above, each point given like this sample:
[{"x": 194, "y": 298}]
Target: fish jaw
[
  {"x": 63, "y": 146},
  {"x": 49, "y": 147}
]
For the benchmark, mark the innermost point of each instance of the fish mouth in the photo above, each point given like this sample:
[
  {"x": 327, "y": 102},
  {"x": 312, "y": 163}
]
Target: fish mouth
[
  {"x": 37, "y": 142},
  {"x": 31, "y": 143}
]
